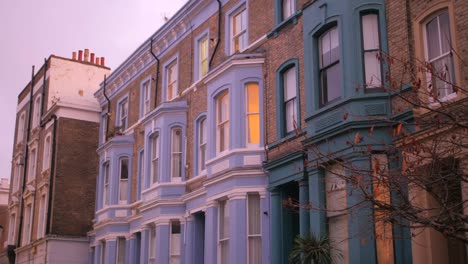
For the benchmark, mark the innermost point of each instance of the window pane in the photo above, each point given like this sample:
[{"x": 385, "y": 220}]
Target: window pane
[
  {"x": 445, "y": 32},
  {"x": 225, "y": 252},
  {"x": 433, "y": 39},
  {"x": 290, "y": 115},
  {"x": 325, "y": 49},
  {"x": 223, "y": 121},
  {"x": 123, "y": 183},
  {"x": 176, "y": 161},
  {"x": 121, "y": 251},
  {"x": 332, "y": 83},
  {"x": 443, "y": 76},
  {"x": 255, "y": 250},
  {"x": 290, "y": 84},
  {"x": 124, "y": 169},
  {"x": 372, "y": 69},
  {"x": 254, "y": 214},
  {"x": 370, "y": 31}
]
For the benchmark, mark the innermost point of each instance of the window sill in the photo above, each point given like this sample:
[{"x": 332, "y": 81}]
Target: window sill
[{"x": 290, "y": 20}]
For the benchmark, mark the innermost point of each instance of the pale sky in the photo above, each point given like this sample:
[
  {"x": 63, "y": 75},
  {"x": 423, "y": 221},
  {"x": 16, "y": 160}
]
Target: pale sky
[{"x": 31, "y": 30}]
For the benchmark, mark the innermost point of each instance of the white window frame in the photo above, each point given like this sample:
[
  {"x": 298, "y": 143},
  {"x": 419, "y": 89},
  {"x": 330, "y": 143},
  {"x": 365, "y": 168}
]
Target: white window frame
[
  {"x": 41, "y": 219},
  {"x": 121, "y": 250},
  {"x": 225, "y": 238},
  {"x": 27, "y": 224},
  {"x": 145, "y": 95},
  {"x": 254, "y": 235},
  {"x": 241, "y": 34},
  {"x": 288, "y": 8},
  {"x": 248, "y": 114},
  {"x": 37, "y": 111},
  {"x": 21, "y": 127},
  {"x": 202, "y": 140},
  {"x": 429, "y": 76},
  {"x": 174, "y": 250},
  {"x": 12, "y": 229},
  {"x": 32, "y": 166},
  {"x": 47, "y": 152},
  {"x": 222, "y": 125},
  {"x": 172, "y": 88},
  {"x": 203, "y": 49},
  {"x": 155, "y": 158},
  {"x": 141, "y": 172},
  {"x": 106, "y": 184},
  {"x": 123, "y": 114},
  {"x": 152, "y": 244},
  {"x": 176, "y": 153},
  {"x": 16, "y": 175},
  {"x": 123, "y": 191}
]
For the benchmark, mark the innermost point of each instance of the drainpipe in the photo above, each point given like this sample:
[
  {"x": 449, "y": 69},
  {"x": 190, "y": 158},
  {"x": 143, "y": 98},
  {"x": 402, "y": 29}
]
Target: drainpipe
[
  {"x": 157, "y": 74},
  {"x": 108, "y": 106},
  {"x": 219, "y": 34},
  {"x": 52, "y": 173},
  {"x": 43, "y": 87},
  {"x": 25, "y": 168}
]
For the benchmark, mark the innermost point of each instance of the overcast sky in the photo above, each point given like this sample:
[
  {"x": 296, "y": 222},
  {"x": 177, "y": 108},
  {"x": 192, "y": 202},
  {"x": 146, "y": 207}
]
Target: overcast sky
[{"x": 31, "y": 30}]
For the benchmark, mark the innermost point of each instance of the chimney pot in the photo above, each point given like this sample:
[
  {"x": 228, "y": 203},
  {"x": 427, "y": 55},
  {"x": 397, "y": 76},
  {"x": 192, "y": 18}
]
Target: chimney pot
[
  {"x": 103, "y": 61},
  {"x": 74, "y": 55},
  {"x": 98, "y": 61},
  {"x": 92, "y": 58},
  {"x": 80, "y": 55},
  {"x": 86, "y": 55}
]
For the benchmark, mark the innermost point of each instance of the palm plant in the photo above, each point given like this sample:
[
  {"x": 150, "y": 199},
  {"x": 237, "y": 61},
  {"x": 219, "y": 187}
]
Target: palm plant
[{"x": 312, "y": 247}]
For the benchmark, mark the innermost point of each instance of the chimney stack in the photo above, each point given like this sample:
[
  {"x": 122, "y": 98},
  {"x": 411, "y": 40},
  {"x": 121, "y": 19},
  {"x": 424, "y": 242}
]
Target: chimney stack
[
  {"x": 92, "y": 58},
  {"x": 86, "y": 55},
  {"x": 80, "y": 55},
  {"x": 74, "y": 55}
]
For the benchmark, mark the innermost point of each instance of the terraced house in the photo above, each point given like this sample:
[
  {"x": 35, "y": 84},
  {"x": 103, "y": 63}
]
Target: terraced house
[
  {"x": 51, "y": 199},
  {"x": 181, "y": 143},
  {"x": 241, "y": 124}
]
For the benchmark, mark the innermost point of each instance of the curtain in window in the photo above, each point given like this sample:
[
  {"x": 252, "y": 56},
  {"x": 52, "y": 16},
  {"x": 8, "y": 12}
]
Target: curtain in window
[
  {"x": 123, "y": 184},
  {"x": 224, "y": 232},
  {"x": 290, "y": 90},
  {"x": 371, "y": 46},
  {"x": 176, "y": 162},
  {"x": 253, "y": 113},
  {"x": 254, "y": 229}
]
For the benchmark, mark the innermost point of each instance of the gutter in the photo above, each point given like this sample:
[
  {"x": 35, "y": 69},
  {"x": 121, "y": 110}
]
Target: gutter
[
  {"x": 108, "y": 106},
  {"x": 157, "y": 74},
  {"x": 219, "y": 34},
  {"x": 26, "y": 157}
]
